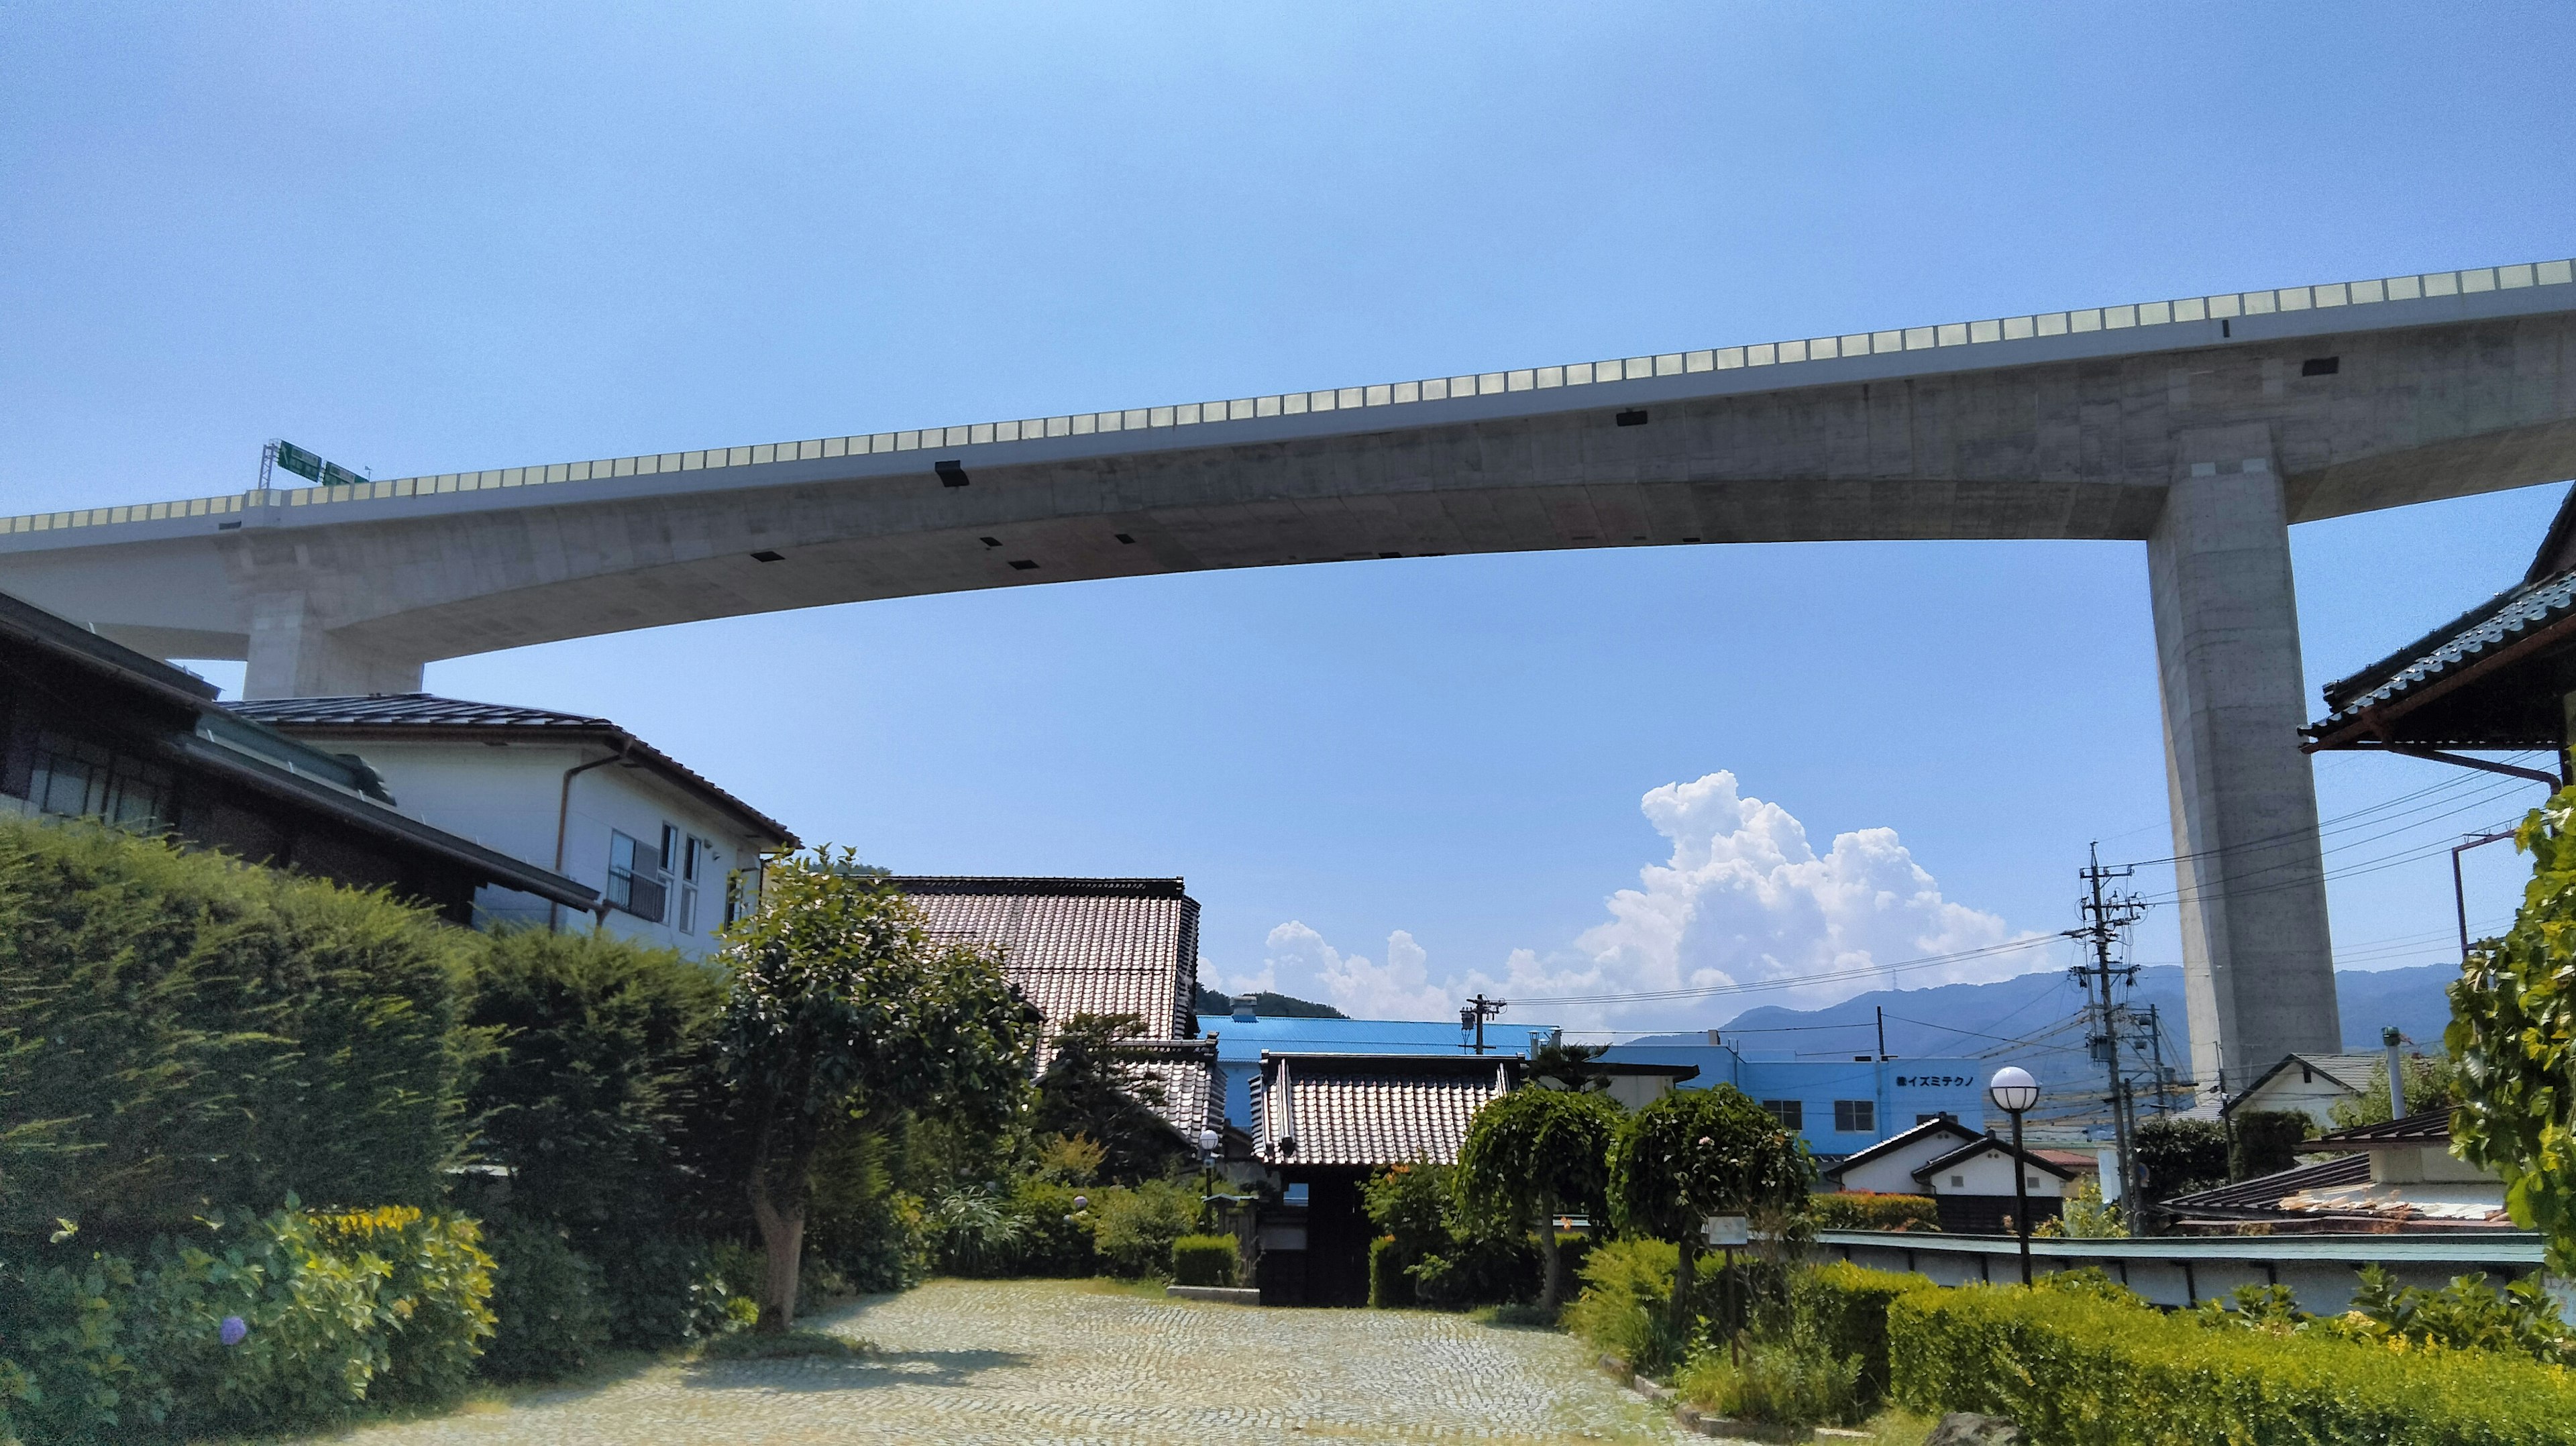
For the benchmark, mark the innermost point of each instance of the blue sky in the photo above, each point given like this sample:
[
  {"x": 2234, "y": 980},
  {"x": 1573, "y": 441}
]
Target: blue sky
[{"x": 429, "y": 239}]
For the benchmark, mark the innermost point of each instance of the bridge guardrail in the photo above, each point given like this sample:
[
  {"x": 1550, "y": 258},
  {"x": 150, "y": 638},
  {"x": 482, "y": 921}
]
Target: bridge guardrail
[{"x": 1186, "y": 414}]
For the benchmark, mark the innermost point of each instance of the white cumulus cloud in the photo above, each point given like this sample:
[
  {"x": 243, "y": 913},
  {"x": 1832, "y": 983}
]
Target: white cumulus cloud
[{"x": 1743, "y": 897}]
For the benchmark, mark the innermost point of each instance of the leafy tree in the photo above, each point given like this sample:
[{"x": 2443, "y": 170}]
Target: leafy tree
[
  {"x": 1531, "y": 1153},
  {"x": 844, "y": 1013},
  {"x": 2432, "y": 1083},
  {"x": 1096, "y": 1085},
  {"x": 2177, "y": 1156},
  {"x": 1697, "y": 1153},
  {"x": 2264, "y": 1142},
  {"x": 2513, "y": 1030},
  {"x": 1557, "y": 1065}
]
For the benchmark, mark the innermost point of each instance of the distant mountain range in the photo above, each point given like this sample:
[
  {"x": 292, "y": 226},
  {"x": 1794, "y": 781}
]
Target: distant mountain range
[{"x": 2030, "y": 1020}]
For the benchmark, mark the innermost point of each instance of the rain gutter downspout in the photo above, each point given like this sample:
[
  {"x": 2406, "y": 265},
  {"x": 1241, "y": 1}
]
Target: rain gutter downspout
[{"x": 563, "y": 821}]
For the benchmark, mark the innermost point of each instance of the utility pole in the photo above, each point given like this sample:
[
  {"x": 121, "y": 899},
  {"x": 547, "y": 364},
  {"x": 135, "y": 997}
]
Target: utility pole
[
  {"x": 1882, "y": 1034},
  {"x": 2106, "y": 914},
  {"x": 2156, "y": 1048},
  {"x": 1474, "y": 1014}
]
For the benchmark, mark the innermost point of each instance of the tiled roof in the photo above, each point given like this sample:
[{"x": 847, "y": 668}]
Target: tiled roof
[
  {"x": 2433, "y": 1127},
  {"x": 1371, "y": 1109},
  {"x": 2266, "y": 1192},
  {"x": 412, "y": 710},
  {"x": 1186, "y": 1069},
  {"x": 1080, "y": 946},
  {"x": 424, "y": 715},
  {"x": 2499, "y": 623}
]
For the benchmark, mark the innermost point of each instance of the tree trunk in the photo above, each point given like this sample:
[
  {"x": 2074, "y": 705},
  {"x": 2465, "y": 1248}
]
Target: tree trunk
[
  {"x": 1684, "y": 1277},
  {"x": 1551, "y": 1292},
  {"x": 782, "y": 1236}
]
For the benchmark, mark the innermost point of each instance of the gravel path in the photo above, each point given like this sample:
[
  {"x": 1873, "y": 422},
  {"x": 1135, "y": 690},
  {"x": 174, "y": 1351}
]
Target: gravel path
[{"x": 1046, "y": 1361}]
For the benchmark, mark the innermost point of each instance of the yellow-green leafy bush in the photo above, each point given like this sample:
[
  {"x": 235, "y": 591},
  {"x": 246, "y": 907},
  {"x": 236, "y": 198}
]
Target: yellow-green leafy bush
[
  {"x": 1203, "y": 1260},
  {"x": 1845, "y": 1305},
  {"x": 1862, "y": 1210},
  {"x": 242, "y": 1324},
  {"x": 2071, "y": 1367}
]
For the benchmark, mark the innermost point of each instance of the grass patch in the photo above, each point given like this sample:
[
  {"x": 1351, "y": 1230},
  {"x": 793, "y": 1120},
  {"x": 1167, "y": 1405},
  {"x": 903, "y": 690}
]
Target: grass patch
[
  {"x": 1896, "y": 1426},
  {"x": 754, "y": 1346},
  {"x": 1113, "y": 1285}
]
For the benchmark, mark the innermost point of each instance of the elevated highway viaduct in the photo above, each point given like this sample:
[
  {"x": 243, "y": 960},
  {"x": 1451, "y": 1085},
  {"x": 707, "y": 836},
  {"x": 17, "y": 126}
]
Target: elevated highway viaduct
[{"x": 2199, "y": 426}]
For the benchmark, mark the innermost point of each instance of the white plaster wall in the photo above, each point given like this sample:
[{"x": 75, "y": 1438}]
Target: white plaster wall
[
  {"x": 1893, "y": 1172},
  {"x": 2314, "y": 1097},
  {"x": 507, "y": 798},
  {"x": 1991, "y": 1173}
]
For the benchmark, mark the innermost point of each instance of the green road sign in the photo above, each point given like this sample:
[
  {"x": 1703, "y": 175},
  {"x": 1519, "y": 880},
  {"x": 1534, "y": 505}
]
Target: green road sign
[
  {"x": 335, "y": 475},
  {"x": 298, "y": 461}
]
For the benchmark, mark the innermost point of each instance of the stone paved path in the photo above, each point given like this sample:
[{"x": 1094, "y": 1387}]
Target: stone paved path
[{"x": 1027, "y": 1362}]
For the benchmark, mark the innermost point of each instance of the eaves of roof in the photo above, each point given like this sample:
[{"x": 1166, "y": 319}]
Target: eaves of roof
[
  {"x": 2263, "y": 1194},
  {"x": 2516, "y": 622},
  {"x": 1898, "y": 1141},
  {"x": 2432, "y": 1127},
  {"x": 443, "y": 719},
  {"x": 267, "y": 777},
  {"x": 1979, "y": 1146},
  {"x": 2336, "y": 1067},
  {"x": 64, "y": 639}
]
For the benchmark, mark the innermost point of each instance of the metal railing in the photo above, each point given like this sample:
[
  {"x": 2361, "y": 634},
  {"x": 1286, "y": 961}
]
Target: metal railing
[{"x": 1381, "y": 394}]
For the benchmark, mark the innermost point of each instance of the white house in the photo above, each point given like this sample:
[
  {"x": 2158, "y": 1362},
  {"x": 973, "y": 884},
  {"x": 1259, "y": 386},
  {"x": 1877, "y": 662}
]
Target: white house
[
  {"x": 2309, "y": 1084},
  {"x": 1968, "y": 1173},
  {"x": 1887, "y": 1168},
  {"x": 673, "y": 855}
]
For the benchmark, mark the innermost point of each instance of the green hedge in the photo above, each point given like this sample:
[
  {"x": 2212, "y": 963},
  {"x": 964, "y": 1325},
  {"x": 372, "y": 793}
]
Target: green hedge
[
  {"x": 337, "y": 1309},
  {"x": 179, "y": 1029},
  {"x": 1846, "y": 1306},
  {"x": 1861, "y": 1210},
  {"x": 1204, "y": 1260},
  {"x": 2073, "y": 1368}
]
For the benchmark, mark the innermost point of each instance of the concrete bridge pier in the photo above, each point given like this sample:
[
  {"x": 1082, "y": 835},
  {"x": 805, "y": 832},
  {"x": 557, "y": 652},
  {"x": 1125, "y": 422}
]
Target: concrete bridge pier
[
  {"x": 2258, "y": 964},
  {"x": 294, "y": 654}
]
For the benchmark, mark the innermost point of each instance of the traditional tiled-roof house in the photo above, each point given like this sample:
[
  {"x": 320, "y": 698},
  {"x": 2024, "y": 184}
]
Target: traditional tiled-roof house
[{"x": 1079, "y": 946}]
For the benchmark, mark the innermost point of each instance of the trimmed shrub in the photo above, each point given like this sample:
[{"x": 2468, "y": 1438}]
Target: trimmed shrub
[
  {"x": 548, "y": 1300},
  {"x": 1863, "y": 1210},
  {"x": 182, "y": 1028},
  {"x": 2070, "y": 1366},
  {"x": 1846, "y": 1306},
  {"x": 1204, "y": 1260}
]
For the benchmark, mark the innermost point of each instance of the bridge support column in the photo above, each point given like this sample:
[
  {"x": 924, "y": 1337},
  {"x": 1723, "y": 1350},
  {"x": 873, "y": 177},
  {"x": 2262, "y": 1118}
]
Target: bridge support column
[
  {"x": 292, "y": 655},
  {"x": 2258, "y": 965}
]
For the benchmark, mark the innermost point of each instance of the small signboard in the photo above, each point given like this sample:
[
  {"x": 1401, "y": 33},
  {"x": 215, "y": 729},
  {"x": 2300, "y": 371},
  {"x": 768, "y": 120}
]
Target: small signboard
[
  {"x": 1727, "y": 1230},
  {"x": 295, "y": 459}
]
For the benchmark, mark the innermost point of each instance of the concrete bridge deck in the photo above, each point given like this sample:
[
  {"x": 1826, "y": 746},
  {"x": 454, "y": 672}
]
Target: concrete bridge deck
[{"x": 2201, "y": 426}]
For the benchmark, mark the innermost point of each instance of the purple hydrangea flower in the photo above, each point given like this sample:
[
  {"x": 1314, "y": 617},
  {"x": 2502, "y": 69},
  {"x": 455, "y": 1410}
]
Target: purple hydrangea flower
[{"x": 234, "y": 1330}]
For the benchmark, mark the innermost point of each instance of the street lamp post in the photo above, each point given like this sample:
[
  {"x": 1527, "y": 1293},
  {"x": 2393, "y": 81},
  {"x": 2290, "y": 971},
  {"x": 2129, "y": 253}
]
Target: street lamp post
[
  {"x": 1207, "y": 1178},
  {"x": 2014, "y": 1092}
]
